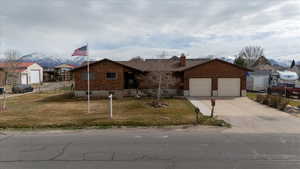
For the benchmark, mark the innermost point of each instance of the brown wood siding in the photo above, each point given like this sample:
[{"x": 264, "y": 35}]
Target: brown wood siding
[
  {"x": 100, "y": 82},
  {"x": 215, "y": 69}
]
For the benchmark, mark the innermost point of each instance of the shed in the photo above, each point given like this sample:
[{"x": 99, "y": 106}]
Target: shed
[{"x": 258, "y": 80}]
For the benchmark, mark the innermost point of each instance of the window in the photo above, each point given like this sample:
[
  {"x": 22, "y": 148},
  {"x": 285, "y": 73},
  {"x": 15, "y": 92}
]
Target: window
[
  {"x": 84, "y": 76},
  {"x": 111, "y": 75}
]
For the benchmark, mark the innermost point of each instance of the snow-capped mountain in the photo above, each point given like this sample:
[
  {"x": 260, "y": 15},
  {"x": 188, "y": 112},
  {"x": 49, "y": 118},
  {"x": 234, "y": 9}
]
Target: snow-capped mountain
[
  {"x": 51, "y": 61},
  {"x": 229, "y": 59},
  {"x": 281, "y": 62},
  {"x": 277, "y": 62}
]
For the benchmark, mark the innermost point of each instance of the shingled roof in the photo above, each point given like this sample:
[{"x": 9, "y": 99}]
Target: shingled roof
[
  {"x": 163, "y": 64},
  {"x": 261, "y": 61},
  {"x": 172, "y": 64}
]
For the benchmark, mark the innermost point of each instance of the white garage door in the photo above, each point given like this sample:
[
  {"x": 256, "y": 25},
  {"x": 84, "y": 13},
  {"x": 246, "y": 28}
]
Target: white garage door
[
  {"x": 35, "y": 76},
  {"x": 229, "y": 87},
  {"x": 200, "y": 87}
]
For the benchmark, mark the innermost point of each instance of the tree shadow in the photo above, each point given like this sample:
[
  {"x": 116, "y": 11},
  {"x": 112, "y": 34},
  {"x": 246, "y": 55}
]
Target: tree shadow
[{"x": 65, "y": 97}]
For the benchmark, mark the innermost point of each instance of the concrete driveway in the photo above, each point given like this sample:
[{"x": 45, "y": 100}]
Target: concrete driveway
[{"x": 246, "y": 115}]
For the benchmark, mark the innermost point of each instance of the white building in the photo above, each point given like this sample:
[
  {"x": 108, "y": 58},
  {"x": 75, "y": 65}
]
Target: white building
[
  {"x": 26, "y": 72},
  {"x": 258, "y": 80},
  {"x": 32, "y": 73}
]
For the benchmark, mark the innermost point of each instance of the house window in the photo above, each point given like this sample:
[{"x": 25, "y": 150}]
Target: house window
[
  {"x": 111, "y": 75},
  {"x": 84, "y": 76}
]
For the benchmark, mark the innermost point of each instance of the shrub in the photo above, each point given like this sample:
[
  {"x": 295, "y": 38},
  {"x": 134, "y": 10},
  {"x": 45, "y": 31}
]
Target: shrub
[
  {"x": 283, "y": 103},
  {"x": 266, "y": 99},
  {"x": 278, "y": 102},
  {"x": 275, "y": 101},
  {"x": 259, "y": 98}
]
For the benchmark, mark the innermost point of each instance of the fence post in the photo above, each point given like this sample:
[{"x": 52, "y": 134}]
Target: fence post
[{"x": 110, "y": 106}]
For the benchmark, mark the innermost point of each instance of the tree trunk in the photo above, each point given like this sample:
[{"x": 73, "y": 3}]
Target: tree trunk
[
  {"x": 159, "y": 89},
  {"x": 4, "y": 100}
]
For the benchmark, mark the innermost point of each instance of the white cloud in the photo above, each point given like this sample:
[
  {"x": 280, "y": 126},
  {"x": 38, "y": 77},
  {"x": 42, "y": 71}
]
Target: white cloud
[{"x": 121, "y": 29}]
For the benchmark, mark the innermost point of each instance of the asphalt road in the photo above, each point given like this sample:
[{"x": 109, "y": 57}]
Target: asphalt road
[{"x": 194, "y": 148}]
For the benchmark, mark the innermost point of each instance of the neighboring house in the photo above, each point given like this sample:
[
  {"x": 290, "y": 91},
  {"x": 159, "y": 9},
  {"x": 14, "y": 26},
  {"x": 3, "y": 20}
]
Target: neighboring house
[
  {"x": 23, "y": 72},
  {"x": 263, "y": 64},
  {"x": 58, "y": 73},
  {"x": 63, "y": 72},
  {"x": 258, "y": 80},
  {"x": 180, "y": 76},
  {"x": 49, "y": 74}
]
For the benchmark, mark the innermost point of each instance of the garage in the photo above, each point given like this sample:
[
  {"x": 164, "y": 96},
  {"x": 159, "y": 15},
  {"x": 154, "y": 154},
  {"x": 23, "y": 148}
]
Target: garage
[
  {"x": 229, "y": 86},
  {"x": 215, "y": 78},
  {"x": 35, "y": 76},
  {"x": 200, "y": 86}
]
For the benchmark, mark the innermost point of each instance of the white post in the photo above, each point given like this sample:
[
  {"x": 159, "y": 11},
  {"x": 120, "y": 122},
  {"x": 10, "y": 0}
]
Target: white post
[
  {"x": 110, "y": 106},
  {"x": 88, "y": 81}
]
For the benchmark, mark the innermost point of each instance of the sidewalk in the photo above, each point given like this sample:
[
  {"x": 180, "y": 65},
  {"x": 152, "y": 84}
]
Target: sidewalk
[{"x": 204, "y": 109}]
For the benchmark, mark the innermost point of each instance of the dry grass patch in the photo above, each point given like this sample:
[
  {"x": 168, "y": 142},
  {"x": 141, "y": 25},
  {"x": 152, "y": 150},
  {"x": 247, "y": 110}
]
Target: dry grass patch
[{"x": 60, "y": 109}]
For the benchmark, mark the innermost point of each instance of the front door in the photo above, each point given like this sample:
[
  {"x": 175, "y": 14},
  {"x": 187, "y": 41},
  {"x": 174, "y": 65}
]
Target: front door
[{"x": 130, "y": 81}]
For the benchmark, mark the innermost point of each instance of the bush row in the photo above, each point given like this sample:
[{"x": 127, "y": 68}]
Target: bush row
[{"x": 278, "y": 102}]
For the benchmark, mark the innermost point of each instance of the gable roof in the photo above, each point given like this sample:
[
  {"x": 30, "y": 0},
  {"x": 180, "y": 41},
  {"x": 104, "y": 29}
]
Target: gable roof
[
  {"x": 65, "y": 66},
  {"x": 163, "y": 64},
  {"x": 262, "y": 63},
  {"x": 171, "y": 64},
  {"x": 95, "y": 62},
  {"x": 262, "y": 60},
  {"x": 219, "y": 60},
  {"x": 18, "y": 64}
]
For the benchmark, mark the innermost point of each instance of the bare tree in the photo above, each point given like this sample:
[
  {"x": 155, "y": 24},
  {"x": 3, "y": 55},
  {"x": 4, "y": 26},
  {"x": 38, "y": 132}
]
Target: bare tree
[
  {"x": 251, "y": 54},
  {"x": 160, "y": 72},
  {"x": 10, "y": 67}
]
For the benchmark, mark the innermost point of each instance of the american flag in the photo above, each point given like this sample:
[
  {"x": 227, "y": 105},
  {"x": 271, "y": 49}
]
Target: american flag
[{"x": 80, "y": 51}]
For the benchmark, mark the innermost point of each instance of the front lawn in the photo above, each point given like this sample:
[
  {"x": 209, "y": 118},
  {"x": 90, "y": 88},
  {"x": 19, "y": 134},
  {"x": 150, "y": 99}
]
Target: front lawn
[
  {"x": 59, "y": 109},
  {"x": 251, "y": 96}
]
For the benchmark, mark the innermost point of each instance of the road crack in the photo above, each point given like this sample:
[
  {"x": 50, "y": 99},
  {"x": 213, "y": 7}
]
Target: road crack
[{"x": 61, "y": 152}]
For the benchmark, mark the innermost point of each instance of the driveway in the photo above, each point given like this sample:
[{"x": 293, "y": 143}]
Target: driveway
[{"x": 246, "y": 115}]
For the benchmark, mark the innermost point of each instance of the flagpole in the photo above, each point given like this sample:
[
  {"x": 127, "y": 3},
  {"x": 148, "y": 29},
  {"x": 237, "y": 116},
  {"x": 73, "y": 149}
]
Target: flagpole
[{"x": 88, "y": 71}]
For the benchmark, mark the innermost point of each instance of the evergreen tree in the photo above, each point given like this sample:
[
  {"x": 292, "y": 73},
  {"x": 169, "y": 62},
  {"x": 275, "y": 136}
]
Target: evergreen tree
[
  {"x": 240, "y": 61},
  {"x": 293, "y": 64}
]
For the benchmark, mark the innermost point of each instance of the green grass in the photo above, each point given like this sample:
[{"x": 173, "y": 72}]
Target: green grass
[
  {"x": 251, "y": 96},
  {"x": 59, "y": 109}
]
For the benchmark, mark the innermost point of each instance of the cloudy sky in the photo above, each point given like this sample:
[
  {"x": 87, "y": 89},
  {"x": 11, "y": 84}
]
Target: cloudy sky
[{"x": 120, "y": 29}]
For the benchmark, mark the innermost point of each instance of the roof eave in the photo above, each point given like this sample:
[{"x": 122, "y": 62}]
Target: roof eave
[
  {"x": 240, "y": 67},
  {"x": 105, "y": 59}
]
